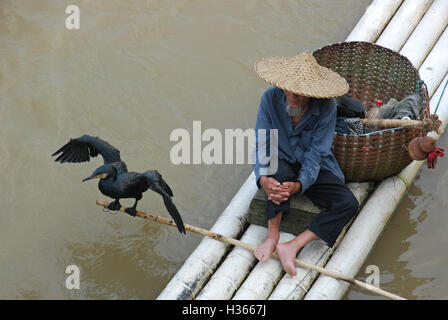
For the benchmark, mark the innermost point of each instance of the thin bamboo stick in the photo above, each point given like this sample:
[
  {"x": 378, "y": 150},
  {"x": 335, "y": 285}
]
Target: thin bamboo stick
[
  {"x": 432, "y": 124},
  {"x": 251, "y": 247}
]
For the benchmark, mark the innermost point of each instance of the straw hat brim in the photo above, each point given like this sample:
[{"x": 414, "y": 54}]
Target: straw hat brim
[{"x": 302, "y": 75}]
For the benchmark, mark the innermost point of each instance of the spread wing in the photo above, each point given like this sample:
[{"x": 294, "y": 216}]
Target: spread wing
[
  {"x": 153, "y": 180},
  {"x": 156, "y": 183},
  {"x": 82, "y": 148}
]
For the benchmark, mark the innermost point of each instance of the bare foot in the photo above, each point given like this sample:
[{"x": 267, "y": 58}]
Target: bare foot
[
  {"x": 287, "y": 253},
  {"x": 264, "y": 250}
]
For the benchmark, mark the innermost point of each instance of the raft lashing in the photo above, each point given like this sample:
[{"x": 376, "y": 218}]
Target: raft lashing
[{"x": 417, "y": 31}]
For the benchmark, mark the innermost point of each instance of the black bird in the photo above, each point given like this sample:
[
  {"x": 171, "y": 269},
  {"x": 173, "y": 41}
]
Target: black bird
[{"x": 115, "y": 180}]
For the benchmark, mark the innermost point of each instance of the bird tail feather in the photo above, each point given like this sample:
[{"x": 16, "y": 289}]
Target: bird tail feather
[{"x": 174, "y": 213}]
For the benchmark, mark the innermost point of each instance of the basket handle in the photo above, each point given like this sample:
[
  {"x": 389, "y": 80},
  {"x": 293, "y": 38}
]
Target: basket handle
[{"x": 426, "y": 114}]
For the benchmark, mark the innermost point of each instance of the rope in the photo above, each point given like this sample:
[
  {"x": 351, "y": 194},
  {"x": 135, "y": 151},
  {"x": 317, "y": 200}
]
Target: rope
[
  {"x": 443, "y": 91},
  {"x": 405, "y": 181},
  {"x": 421, "y": 83}
]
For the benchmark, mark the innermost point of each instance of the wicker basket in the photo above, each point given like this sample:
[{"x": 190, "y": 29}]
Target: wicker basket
[{"x": 373, "y": 72}]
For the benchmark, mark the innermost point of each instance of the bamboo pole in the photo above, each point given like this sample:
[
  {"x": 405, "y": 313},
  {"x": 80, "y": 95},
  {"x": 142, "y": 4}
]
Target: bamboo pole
[
  {"x": 435, "y": 66},
  {"x": 405, "y": 20},
  {"x": 432, "y": 124},
  {"x": 263, "y": 279},
  {"x": 426, "y": 34},
  {"x": 295, "y": 288},
  {"x": 205, "y": 258},
  {"x": 374, "y": 20},
  {"x": 251, "y": 247},
  {"x": 316, "y": 252},
  {"x": 235, "y": 268}
]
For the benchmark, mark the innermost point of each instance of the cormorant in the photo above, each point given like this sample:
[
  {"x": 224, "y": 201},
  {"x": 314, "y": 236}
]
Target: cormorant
[{"x": 115, "y": 180}]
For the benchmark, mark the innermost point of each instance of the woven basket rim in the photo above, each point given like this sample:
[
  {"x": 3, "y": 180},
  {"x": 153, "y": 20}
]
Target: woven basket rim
[{"x": 372, "y": 45}]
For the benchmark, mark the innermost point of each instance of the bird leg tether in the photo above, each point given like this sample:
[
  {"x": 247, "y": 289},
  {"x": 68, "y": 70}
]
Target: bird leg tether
[{"x": 251, "y": 247}]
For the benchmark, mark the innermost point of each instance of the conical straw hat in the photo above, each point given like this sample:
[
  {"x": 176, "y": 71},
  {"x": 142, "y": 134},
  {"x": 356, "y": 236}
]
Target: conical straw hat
[{"x": 302, "y": 75}]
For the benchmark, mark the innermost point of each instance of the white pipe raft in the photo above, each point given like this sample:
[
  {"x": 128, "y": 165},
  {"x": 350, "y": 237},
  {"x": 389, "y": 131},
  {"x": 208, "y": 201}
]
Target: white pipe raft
[
  {"x": 435, "y": 65},
  {"x": 374, "y": 20},
  {"x": 317, "y": 253},
  {"x": 403, "y": 23},
  {"x": 294, "y": 288},
  {"x": 196, "y": 270},
  {"x": 229, "y": 276},
  {"x": 232, "y": 272},
  {"x": 201, "y": 264},
  {"x": 362, "y": 235},
  {"x": 263, "y": 278},
  {"x": 426, "y": 33}
]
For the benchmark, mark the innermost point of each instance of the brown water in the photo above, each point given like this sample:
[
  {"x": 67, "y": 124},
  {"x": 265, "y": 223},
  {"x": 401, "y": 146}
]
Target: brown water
[{"x": 133, "y": 72}]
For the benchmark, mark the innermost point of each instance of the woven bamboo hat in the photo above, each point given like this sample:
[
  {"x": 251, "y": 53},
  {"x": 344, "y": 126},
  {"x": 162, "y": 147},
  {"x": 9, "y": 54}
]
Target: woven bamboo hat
[{"x": 302, "y": 75}]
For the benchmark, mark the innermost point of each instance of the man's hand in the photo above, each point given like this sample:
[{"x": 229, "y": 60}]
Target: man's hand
[
  {"x": 278, "y": 192},
  {"x": 291, "y": 187}
]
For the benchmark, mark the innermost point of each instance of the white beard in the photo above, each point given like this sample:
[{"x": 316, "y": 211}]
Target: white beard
[{"x": 293, "y": 112}]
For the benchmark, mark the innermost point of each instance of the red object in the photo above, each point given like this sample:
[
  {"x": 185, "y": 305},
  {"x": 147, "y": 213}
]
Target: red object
[
  {"x": 432, "y": 157},
  {"x": 379, "y": 102}
]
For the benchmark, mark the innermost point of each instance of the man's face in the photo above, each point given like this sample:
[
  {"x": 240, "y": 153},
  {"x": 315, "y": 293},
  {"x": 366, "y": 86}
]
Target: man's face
[{"x": 295, "y": 100}]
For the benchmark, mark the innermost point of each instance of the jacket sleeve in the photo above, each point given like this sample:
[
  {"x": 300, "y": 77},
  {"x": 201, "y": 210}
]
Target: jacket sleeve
[
  {"x": 321, "y": 137},
  {"x": 263, "y": 122}
]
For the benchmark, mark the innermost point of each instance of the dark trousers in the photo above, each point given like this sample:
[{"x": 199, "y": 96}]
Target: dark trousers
[{"x": 328, "y": 192}]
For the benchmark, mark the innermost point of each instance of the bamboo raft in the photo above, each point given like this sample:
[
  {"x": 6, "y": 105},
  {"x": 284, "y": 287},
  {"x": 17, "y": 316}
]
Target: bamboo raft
[{"x": 217, "y": 270}]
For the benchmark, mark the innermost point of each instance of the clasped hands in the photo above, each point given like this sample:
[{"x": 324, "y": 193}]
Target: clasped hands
[{"x": 278, "y": 192}]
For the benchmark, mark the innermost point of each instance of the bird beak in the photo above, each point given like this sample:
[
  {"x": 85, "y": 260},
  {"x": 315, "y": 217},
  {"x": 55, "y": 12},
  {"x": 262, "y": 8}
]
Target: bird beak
[{"x": 93, "y": 176}]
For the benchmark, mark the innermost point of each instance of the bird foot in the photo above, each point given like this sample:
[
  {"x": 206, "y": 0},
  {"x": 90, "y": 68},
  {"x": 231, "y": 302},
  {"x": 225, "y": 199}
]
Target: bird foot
[
  {"x": 131, "y": 211},
  {"x": 114, "y": 206}
]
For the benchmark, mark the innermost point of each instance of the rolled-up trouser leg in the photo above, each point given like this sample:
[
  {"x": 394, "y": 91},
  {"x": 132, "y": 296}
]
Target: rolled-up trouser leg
[
  {"x": 341, "y": 205},
  {"x": 286, "y": 172}
]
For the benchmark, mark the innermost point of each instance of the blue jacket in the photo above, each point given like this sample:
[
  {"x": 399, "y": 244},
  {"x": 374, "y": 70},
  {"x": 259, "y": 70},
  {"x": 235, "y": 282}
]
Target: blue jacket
[{"x": 308, "y": 143}]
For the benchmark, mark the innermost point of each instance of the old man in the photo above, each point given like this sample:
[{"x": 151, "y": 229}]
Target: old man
[{"x": 300, "y": 108}]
